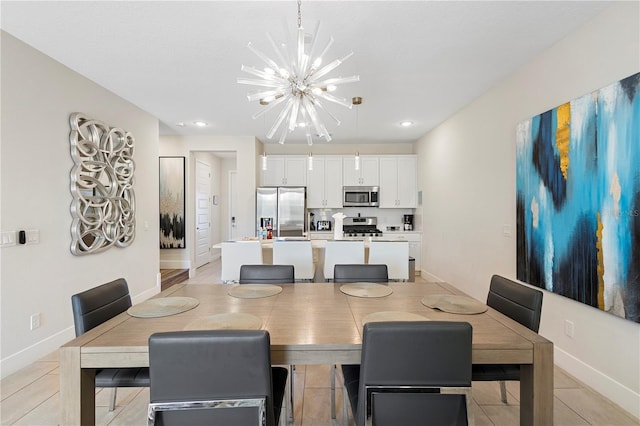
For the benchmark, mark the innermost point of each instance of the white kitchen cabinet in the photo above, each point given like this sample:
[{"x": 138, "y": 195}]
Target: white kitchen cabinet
[
  {"x": 285, "y": 170},
  {"x": 398, "y": 181},
  {"x": 324, "y": 183},
  {"x": 367, "y": 175}
]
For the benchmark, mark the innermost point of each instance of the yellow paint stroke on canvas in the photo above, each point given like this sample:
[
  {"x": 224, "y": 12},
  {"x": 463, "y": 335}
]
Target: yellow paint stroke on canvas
[
  {"x": 600, "y": 265},
  {"x": 562, "y": 136}
]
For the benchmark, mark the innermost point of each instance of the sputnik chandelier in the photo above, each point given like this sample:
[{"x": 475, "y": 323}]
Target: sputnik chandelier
[{"x": 297, "y": 81}]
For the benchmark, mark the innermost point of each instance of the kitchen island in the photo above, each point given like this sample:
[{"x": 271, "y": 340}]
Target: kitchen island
[{"x": 318, "y": 246}]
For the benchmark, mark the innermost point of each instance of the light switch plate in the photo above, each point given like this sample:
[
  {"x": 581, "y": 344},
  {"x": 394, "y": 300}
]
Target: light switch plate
[
  {"x": 7, "y": 238},
  {"x": 33, "y": 236}
]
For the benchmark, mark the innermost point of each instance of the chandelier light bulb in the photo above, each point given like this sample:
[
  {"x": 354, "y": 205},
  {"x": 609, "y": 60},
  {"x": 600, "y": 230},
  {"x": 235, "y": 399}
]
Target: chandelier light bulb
[{"x": 300, "y": 87}]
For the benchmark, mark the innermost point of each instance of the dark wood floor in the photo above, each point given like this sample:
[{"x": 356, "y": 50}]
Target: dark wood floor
[{"x": 170, "y": 277}]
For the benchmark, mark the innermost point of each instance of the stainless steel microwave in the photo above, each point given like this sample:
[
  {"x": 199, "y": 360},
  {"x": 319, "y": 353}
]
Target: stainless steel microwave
[{"x": 360, "y": 196}]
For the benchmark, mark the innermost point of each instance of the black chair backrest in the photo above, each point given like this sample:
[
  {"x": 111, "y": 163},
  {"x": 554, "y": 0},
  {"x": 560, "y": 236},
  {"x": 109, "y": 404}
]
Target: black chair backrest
[
  {"x": 518, "y": 302},
  {"x": 206, "y": 365},
  {"x": 266, "y": 274},
  {"x": 99, "y": 304},
  {"x": 351, "y": 273},
  {"x": 420, "y": 353}
]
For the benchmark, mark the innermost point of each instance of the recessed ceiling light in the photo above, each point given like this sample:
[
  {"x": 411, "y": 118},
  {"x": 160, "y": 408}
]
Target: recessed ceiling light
[
  {"x": 200, "y": 123},
  {"x": 180, "y": 124},
  {"x": 406, "y": 123}
]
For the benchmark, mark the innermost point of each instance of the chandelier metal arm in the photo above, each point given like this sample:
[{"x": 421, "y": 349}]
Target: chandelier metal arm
[{"x": 269, "y": 107}]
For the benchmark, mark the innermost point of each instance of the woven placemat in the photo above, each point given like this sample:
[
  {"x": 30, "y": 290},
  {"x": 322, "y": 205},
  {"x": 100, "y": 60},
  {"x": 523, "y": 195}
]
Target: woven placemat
[
  {"x": 454, "y": 304},
  {"x": 393, "y": 316},
  {"x": 366, "y": 289},
  {"x": 228, "y": 321},
  {"x": 162, "y": 307},
  {"x": 254, "y": 291}
]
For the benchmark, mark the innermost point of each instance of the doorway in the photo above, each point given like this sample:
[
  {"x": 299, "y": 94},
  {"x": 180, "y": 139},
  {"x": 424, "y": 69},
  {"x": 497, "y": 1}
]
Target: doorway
[{"x": 203, "y": 213}]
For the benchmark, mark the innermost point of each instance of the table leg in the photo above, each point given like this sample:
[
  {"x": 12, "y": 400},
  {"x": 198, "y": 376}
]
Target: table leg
[
  {"x": 77, "y": 389},
  {"x": 536, "y": 387}
]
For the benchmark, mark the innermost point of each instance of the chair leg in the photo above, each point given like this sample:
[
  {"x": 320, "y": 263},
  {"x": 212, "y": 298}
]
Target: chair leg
[
  {"x": 112, "y": 403},
  {"x": 503, "y": 391},
  {"x": 291, "y": 369},
  {"x": 333, "y": 391},
  {"x": 345, "y": 405}
]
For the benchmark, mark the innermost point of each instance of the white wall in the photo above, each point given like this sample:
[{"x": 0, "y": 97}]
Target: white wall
[
  {"x": 467, "y": 175},
  {"x": 38, "y": 95},
  {"x": 189, "y": 147}
]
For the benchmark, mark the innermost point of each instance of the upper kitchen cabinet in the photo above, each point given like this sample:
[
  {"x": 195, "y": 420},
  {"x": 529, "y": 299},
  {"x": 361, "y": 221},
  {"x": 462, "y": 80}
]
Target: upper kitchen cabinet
[
  {"x": 285, "y": 170},
  {"x": 366, "y": 176},
  {"x": 398, "y": 181},
  {"x": 324, "y": 183}
]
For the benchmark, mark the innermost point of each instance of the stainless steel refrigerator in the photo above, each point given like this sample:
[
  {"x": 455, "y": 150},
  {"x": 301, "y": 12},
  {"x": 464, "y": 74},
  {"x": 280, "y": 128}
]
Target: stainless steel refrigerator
[{"x": 283, "y": 208}]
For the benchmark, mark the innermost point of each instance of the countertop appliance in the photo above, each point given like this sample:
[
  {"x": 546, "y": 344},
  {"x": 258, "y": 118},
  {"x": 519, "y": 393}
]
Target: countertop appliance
[
  {"x": 286, "y": 206},
  {"x": 360, "y": 196},
  {"x": 324, "y": 225},
  {"x": 361, "y": 227},
  {"x": 408, "y": 222}
]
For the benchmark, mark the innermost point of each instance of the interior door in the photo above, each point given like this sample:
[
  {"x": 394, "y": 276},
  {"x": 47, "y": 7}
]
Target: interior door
[
  {"x": 233, "y": 228},
  {"x": 203, "y": 213}
]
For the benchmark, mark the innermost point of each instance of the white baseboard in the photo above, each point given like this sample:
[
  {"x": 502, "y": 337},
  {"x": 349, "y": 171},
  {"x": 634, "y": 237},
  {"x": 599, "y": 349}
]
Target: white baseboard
[
  {"x": 617, "y": 392},
  {"x": 430, "y": 277},
  {"x": 33, "y": 353}
]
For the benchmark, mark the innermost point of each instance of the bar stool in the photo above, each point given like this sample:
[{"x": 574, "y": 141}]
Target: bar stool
[
  {"x": 337, "y": 252},
  {"x": 236, "y": 254},
  {"x": 296, "y": 253},
  {"x": 394, "y": 254}
]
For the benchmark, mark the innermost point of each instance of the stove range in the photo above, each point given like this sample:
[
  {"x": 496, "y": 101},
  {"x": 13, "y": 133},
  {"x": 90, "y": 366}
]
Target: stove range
[{"x": 360, "y": 227}]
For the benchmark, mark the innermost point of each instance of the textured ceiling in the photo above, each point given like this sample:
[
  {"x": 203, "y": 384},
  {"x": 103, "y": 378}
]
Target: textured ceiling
[{"x": 417, "y": 60}]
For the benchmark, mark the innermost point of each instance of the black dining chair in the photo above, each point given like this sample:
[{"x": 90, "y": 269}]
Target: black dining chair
[
  {"x": 520, "y": 303},
  {"x": 95, "y": 306},
  {"x": 266, "y": 274},
  {"x": 409, "y": 372},
  {"x": 351, "y": 273},
  {"x": 214, "y": 377},
  {"x": 271, "y": 274}
]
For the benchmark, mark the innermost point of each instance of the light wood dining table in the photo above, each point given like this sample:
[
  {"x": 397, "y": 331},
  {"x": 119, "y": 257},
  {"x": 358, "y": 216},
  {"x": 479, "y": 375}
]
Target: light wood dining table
[{"x": 309, "y": 323}]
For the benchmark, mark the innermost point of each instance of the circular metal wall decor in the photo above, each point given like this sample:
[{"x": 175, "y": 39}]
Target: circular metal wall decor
[{"x": 103, "y": 206}]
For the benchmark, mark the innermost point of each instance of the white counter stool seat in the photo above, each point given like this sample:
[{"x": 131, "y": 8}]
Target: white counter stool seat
[
  {"x": 296, "y": 253},
  {"x": 238, "y": 253},
  {"x": 394, "y": 254},
  {"x": 341, "y": 252}
]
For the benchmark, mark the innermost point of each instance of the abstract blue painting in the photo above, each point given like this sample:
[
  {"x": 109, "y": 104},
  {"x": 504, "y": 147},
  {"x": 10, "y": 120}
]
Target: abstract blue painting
[{"x": 578, "y": 199}]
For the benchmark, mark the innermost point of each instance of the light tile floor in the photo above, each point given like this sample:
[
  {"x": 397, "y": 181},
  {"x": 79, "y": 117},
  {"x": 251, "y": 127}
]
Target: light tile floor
[{"x": 31, "y": 397}]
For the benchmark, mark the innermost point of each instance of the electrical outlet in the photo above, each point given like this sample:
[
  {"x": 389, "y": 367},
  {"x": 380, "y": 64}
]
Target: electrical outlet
[
  {"x": 33, "y": 236},
  {"x": 35, "y": 321},
  {"x": 568, "y": 328}
]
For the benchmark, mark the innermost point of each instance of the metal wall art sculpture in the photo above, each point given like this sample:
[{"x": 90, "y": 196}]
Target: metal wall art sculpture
[{"x": 103, "y": 206}]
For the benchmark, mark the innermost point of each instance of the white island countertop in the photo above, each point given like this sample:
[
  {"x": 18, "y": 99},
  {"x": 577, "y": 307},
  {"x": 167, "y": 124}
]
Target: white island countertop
[{"x": 319, "y": 243}]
